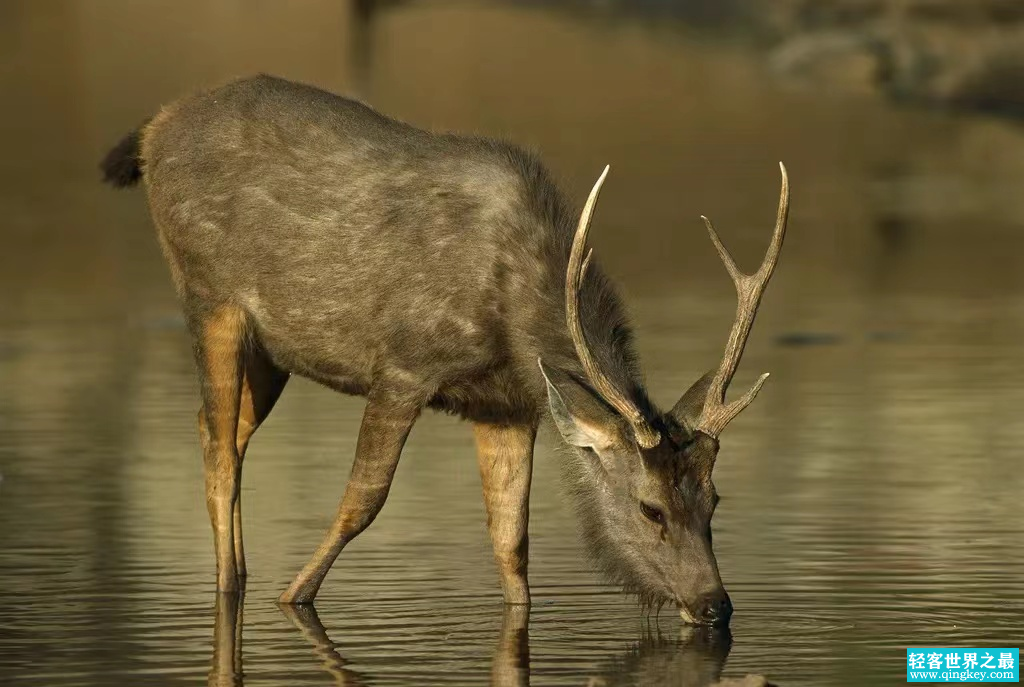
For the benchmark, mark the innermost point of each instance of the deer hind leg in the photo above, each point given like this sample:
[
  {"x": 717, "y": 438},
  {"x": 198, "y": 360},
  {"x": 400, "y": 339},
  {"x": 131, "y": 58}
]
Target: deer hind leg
[
  {"x": 505, "y": 455},
  {"x": 385, "y": 427},
  {"x": 262, "y": 384},
  {"x": 218, "y": 338}
]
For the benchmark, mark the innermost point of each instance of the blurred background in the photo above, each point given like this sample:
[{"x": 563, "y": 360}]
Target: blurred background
[{"x": 871, "y": 496}]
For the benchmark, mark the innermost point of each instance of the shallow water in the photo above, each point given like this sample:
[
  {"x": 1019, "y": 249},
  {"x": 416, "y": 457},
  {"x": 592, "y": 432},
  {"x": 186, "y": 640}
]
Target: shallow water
[{"x": 871, "y": 496}]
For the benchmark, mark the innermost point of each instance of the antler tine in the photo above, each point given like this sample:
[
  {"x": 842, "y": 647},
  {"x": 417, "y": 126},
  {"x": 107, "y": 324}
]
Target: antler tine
[
  {"x": 723, "y": 252},
  {"x": 771, "y": 258},
  {"x": 577, "y": 268},
  {"x": 716, "y": 414}
]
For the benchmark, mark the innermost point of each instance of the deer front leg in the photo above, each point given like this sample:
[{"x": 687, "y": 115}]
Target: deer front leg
[
  {"x": 505, "y": 454},
  {"x": 385, "y": 427}
]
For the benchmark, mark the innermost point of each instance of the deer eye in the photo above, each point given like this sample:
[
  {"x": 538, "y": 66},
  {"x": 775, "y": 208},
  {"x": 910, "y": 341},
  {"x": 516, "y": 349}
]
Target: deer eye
[{"x": 651, "y": 513}]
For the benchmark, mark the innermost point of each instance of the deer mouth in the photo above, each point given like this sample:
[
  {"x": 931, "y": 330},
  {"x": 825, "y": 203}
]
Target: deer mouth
[
  {"x": 688, "y": 619},
  {"x": 686, "y": 616}
]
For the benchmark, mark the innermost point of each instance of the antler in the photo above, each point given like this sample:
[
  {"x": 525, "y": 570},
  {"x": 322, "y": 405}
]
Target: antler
[
  {"x": 645, "y": 435},
  {"x": 716, "y": 414}
]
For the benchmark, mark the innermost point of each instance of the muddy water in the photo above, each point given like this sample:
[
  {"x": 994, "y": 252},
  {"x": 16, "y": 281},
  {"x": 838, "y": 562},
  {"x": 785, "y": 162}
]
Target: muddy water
[{"x": 871, "y": 497}]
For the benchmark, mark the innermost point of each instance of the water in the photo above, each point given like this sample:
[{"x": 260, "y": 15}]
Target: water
[{"x": 871, "y": 496}]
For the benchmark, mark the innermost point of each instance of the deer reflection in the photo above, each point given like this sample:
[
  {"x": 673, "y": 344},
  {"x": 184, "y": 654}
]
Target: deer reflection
[
  {"x": 226, "y": 667},
  {"x": 694, "y": 659},
  {"x": 510, "y": 666},
  {"x": 305, "y": 619}
]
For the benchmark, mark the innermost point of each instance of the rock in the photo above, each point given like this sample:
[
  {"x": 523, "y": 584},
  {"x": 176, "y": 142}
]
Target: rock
[
  {"x": 948, "y": 53},
  {"x": 992, "y": 80},
  {"x": 847, "y": 62}
]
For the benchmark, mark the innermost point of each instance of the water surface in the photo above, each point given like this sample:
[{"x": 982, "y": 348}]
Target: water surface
[{"x": 871, "y": 496}]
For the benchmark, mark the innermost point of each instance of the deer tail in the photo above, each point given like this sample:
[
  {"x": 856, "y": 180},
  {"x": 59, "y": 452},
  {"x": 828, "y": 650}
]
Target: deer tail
[{"x": 122, "y": 166}]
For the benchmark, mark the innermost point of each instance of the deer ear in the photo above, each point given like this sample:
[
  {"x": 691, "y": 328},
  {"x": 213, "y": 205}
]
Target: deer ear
[
  {"x": 687, "y": 410},
  {"x": 582, "y": 418}
]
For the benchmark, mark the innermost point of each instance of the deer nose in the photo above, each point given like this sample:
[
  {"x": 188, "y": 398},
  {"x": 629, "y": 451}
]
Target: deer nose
[{"x": 716, "y": 609}]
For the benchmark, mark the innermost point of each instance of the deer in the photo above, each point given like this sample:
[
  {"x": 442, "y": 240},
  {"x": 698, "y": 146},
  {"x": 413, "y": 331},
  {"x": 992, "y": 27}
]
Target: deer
[{"x": 308, "y": 234}]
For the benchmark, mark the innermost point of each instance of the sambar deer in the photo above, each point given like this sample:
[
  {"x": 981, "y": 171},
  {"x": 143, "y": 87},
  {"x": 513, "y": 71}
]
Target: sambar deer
[{"x": 308, "y": 234}]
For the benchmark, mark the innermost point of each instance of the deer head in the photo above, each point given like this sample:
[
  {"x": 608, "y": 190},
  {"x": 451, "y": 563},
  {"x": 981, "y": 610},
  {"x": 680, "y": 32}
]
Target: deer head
[{"x": 644, "y": 478}]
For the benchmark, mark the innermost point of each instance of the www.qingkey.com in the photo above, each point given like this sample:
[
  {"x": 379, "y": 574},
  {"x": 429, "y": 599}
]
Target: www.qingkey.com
[{"x": 964, "y": 675}]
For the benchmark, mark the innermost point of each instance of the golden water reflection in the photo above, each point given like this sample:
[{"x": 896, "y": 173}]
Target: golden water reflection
[
  {"x": 871, "y": 495},
  {"x": 694, "y": 658}
]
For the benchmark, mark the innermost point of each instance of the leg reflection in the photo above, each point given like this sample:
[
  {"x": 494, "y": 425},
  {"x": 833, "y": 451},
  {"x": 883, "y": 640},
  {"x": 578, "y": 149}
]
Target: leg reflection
[
  {"x": 510, "y": 666},
  {"x": 307, "y": 621},
  {"x": 226, "y": 666}
]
